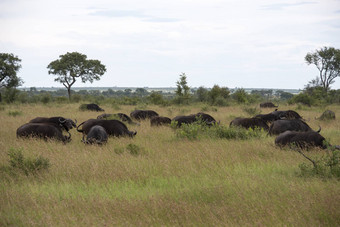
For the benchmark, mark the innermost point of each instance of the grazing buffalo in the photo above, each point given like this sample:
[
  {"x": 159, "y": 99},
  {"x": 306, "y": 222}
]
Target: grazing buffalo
[
  {"x": 327, "y": 115},
  {"x": 123, "y": 117},
  {"x": 42, "y": 130},
  {"x": 281, "y": 126},
  {"x": 157, "y": 120},
  {"x": 301, "y": 139},
  {"x": 287, "y": 114},
  {"x": 267, "y": 105},
  {"x": 206, "y": 118},
  {"x": 249, "y": 123},
  {"x": 112, "y": 127},
  {"x": 96, "y": 135},
  {"x": 143, "y": 114},
  {"x": 62, "y": 123},
  {"x": 92, "y": 107},
  {"x": 268, "y": 118}
]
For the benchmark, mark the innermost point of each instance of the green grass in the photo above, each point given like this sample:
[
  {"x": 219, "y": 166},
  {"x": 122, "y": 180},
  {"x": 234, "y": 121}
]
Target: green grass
[{"x": 159, "y": 178}]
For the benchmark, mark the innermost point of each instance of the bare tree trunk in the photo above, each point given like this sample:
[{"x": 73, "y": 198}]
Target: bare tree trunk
[{"x": 69, "y": 93}]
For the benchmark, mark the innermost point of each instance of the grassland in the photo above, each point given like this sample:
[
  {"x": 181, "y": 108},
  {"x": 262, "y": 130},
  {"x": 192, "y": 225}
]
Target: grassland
[{"x": 171, "y": 181}]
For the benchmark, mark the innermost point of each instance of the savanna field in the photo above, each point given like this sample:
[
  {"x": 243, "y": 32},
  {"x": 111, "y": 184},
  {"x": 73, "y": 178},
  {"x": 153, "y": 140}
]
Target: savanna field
[{"x": 159, "y": 178}]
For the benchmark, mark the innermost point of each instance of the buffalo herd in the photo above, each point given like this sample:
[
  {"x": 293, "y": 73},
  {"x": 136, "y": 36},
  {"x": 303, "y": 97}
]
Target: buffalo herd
[{"x": 288, "y": 126}]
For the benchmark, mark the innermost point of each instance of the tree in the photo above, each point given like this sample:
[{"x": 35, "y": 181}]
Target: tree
[
  {"x": 9, "y": 67},
  {"x": 75, "y": 65},
  {"x": 327, "y": 61},
  {"x": 183, "y": 89}
]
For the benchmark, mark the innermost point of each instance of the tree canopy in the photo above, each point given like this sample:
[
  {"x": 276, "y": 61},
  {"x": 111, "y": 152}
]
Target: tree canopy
[
  {"x": 9, "y": 66},
  {"x": 327, "y": 61},
  {"x": 75, "y": 65}
]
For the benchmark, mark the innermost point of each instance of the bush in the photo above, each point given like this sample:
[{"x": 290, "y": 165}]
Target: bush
[
  {"x": 61, "y": 99},
  {"x": 76, "y": 98},
  {"x": 27, "y": 165},
  {"x": 11, "y": 95},
  {"x": 14, "y": 113},
  {"x": 46, "y": 98},
  {"x": 326, "y": 167},
  {"x": 134, "y": 149},
  {"x": 302, "y": 98},
  {"x": 199, "y": 130}
]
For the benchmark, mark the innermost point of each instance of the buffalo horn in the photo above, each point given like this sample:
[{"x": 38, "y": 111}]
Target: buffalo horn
[
  {"x": 319, "y": 129},
  {"x": 69, "y": 135},
  {"x": 62, "y": 121}
]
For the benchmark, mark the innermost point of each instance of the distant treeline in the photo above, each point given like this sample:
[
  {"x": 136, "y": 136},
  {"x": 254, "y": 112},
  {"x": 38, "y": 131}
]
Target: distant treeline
[{"x": 218, "y": 96}]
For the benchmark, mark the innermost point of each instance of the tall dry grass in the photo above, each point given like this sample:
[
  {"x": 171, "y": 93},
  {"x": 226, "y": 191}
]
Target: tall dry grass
[{"x": 170, "y": 181}]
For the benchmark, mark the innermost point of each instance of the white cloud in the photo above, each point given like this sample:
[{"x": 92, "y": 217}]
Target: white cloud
[{"x": 237, "y": 43}]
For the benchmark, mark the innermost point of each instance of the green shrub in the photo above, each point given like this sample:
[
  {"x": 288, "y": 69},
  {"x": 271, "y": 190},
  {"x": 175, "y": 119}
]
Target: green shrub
[
  {"x": 302, "y": 98},
  {"x": 75, "y": 98},
  {"x": 134, "y": 149},
  {"x": 326, "y": 167},
  {"x": 199, "y": 130},
  {"x": 61, "y": 99},
  {"x": 14, "y": 113},
  {"x": 83, "y": 107},
  {"x": 27, "y": 165},
  {"x": 189, "y": 131},
  {"x": 225, "y": 132},
  {"x": 46, "y": 98}
]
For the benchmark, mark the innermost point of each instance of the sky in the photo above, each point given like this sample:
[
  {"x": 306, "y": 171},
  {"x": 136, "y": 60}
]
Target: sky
[{"x": 150, "y": 43}]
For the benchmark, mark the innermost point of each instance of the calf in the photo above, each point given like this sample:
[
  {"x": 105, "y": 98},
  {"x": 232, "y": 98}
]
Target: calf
[{"x": 96, "y": 135}]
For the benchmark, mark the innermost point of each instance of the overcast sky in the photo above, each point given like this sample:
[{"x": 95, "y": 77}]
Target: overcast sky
[{"x": 149, "y": 43}]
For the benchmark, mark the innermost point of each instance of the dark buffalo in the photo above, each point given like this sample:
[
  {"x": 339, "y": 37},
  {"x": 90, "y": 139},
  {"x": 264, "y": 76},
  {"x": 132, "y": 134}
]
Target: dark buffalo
[
  {"x": 42, "y": 130},
  {"x": 123, "y": 117},
  {"x": 92, "y": 107},
  {"x": 143, "y": 114},
  {"x": 268, "y": 118},
  {"x": 286, "y": 114},
  {"x": 157, "y": 120},
  {"x": 247, "y": 123},
  {"x": 281, "y": 126},
  {"x": 96, "y": 135},
  {"x": 62, "y": 123},
  {"x": 112, "y": 127},
  {"x": 267, "y": 105},
  {"x": 327, "y": 115},
  {"x": 206, "y": 118},
  {"x": 301, "y": 139}
]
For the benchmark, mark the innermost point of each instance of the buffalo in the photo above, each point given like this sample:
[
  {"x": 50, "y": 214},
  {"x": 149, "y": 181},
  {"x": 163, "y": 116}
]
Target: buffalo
[
  {"x": 62, "y": 123},
  {"x": 42, "y": 130},
  {"x": 268, "y": 118},
  {"x": 267, "y": 105},
  {"x": 121, "y": 116},
  {"x": 157, "y": 120},
  {"x": 96, "y": 135},
  {"x": 143, "y": 114},
  {"x": 112, "y": 127},
  {"x": 301, "y": 139},
  {"x": 92, "y": 107},
  {"x": 206, "y": 118},
  {"x": 286, "y": 114},
  {"x": 247, "y": 123},
  {"x": 281, "y": 126}
]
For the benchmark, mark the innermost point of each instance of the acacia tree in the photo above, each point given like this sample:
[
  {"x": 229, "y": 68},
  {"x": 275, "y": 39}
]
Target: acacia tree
[
  {"x": 74, "y": 65},
  {"x": 327, "y": 61},
  {"x": 9, "y": 66}
]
